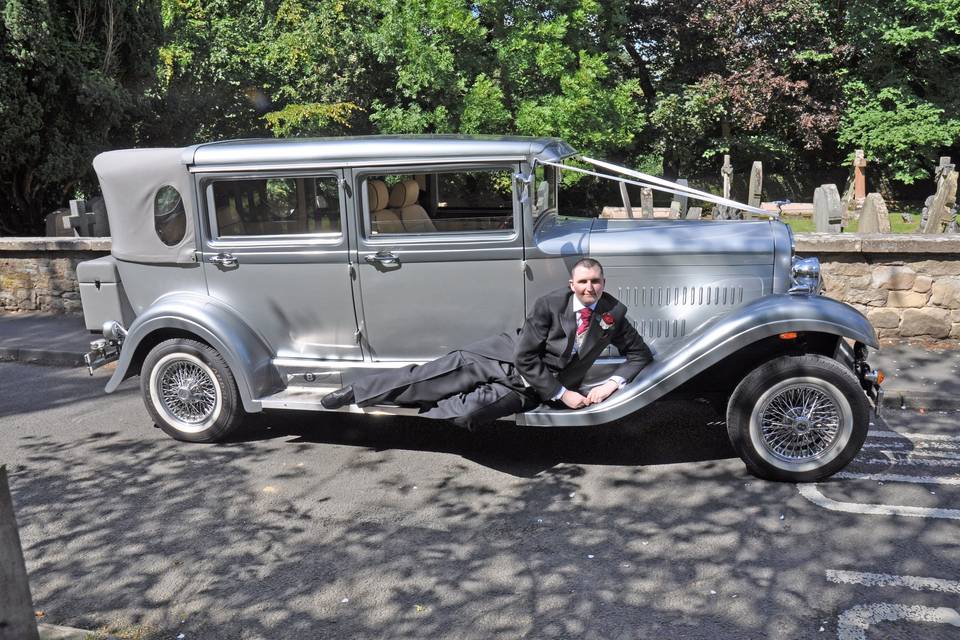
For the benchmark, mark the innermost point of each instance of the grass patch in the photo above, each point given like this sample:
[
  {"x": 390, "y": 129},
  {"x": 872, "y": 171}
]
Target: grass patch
[{"x": 897, "y": 224}]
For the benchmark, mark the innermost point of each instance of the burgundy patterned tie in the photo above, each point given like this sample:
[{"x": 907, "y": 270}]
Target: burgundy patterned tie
[
  {"x": 584, "y": 320},
  {"x": 583, "y": 326}
]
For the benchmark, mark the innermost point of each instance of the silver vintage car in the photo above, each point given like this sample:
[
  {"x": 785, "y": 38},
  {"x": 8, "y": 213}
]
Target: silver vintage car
[{"x": 261, "y": 274}]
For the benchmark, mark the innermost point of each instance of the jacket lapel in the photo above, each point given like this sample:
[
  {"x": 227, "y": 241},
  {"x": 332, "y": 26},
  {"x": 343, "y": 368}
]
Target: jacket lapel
[{"x": 569, "y": 325}]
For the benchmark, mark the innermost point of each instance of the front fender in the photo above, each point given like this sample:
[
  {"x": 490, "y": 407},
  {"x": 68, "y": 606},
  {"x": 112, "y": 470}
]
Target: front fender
[
  {"x": 711, "y": 343},
  {"x": 246, "y": 353}
]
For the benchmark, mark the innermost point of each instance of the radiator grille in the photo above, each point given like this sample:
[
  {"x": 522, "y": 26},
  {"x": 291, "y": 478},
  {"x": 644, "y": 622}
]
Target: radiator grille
[
  {"x": 659, "y": 328},
  {"x": 680, "y": 296}
]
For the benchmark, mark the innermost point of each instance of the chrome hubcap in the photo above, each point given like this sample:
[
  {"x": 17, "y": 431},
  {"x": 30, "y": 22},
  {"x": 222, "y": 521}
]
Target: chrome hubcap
[
  {"x": 799, "y": 423},
  {"x": 187, "y": 392}
]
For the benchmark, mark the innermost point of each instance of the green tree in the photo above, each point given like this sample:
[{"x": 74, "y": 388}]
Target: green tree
[
  {"x": 75, "y": 77},
  {"x": 902, "y": 94}
]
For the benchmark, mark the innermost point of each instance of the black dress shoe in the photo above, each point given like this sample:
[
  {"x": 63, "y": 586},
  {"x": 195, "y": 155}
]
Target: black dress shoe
[{"x": 339, "y": 398}]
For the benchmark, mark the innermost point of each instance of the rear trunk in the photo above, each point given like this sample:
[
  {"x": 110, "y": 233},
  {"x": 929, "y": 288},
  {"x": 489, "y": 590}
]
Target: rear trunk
[{"x": 102, "y": 295}]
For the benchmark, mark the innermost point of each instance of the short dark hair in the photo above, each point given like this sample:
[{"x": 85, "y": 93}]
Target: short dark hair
[{"x": 589, "y": 263}]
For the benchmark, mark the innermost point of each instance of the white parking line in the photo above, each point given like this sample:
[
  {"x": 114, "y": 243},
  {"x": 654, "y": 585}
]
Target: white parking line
[
  {"x": 812, "y": 493},
  {"x": 926, "y": 454},
  {"x": 913, "y": 436},
  {"x": 908, "y": 460},
  {"x": 912, "y": 445},
  {"x": 854, "y": 622},
  {"x": 916, "y": 583},
  {"x": 897, "y": 477},
  {"x": 913, "y": 449}
]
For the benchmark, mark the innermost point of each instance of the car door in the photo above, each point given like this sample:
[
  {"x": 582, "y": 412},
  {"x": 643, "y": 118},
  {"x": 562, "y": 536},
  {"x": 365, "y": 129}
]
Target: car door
[
  {"x": 276, "y": 250},
  {"x": 441, "y": 262}
]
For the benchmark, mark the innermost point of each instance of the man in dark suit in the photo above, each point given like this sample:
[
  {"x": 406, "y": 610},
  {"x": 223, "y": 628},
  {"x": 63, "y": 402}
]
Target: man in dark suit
[{"x": 545, "y": 361}]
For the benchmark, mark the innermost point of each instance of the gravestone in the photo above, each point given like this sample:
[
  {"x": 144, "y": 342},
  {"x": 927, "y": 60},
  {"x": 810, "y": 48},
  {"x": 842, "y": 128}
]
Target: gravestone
[
  {"x": 848, "y": 203},
  {"x": 942, "y": 208},
  {"x": 827, "y": 209},
  {"x": 859, "y": 175},
  {"x": 756, "y": 187},
  {"x": 88, "y": 218},
  {"x": 646, "y": 202},
  {"x": 17, "y": 619},
  {"x": 726, "y": 171},
  {"x": 628, "y": 211},
  {"x": 694, "y": 213},
  {"x": 724, "y": 212},
  {"x": 678, "y": 206},
  {"x": 943, "y": 170},
  {"x": 874, "y": 218},
  {"x": 57, "y": 224}
]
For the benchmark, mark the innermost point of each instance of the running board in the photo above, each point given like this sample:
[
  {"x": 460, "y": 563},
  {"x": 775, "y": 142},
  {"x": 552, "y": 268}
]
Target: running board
[{"x": 302, "y": 398}]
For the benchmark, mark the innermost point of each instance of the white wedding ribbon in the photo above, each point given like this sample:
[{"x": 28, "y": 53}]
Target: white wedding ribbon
[{"x": 657, "y": 184}]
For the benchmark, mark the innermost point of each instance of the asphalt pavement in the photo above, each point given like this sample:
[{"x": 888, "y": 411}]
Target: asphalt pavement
[{"x": 351, "y": 526}]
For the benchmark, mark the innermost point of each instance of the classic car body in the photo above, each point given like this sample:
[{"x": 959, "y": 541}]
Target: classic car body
[{"x": 306, "y": 263}]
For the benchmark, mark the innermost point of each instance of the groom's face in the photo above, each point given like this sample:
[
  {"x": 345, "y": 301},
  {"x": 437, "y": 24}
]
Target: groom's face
[{"x": 587, "y": 284}]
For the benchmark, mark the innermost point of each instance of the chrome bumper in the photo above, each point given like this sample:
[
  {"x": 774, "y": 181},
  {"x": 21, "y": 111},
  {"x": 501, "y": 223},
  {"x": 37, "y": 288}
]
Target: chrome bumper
[
  {"x": 870, "y": 379},
  {"x": 106, "y": 349}
]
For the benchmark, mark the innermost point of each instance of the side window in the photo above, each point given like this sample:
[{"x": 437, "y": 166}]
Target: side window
[
  {"x": 169, "y": 218},
  {"x": 478, "y": 200},
  {"x": 275, "y": 206}
]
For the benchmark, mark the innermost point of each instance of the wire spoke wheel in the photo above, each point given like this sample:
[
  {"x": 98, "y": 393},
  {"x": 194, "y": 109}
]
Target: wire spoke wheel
[
  {"x": 186, "y": 392},
  {"x": 801, "y": 423},
  {"x": 798, "y": 418}
]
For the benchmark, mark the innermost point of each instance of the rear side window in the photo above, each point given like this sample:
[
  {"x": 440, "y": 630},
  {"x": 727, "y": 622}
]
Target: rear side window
[
  {"x": 169, "y": 217},
  {"x": 276, "y": 206}
]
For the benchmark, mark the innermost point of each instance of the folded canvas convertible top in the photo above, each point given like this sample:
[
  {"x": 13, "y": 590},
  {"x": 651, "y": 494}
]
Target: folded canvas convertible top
[{"x": 130, "y": 179}]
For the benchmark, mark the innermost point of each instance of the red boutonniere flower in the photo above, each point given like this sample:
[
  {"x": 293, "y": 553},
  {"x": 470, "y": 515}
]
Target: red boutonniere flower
[{"x": 606, "y": 321}]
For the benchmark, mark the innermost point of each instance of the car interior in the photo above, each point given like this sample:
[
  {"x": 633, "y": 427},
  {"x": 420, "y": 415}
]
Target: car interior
[{"x": 440, "y": 202}]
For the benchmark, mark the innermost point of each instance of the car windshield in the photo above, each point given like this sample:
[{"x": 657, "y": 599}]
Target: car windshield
[{"x": 570, "y": 194}]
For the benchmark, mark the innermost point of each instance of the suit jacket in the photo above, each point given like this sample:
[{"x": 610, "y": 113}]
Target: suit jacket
[{"x": 542, "y": 350}]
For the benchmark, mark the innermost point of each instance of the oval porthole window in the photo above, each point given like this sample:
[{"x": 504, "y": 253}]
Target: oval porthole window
[{"x": 169, "y": 217}]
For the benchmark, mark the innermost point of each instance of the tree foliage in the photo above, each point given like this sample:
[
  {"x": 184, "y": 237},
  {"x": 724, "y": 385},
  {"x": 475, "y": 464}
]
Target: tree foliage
[
  {"x": 798, "y": 84},
  {"x": 74, "y": 76}
]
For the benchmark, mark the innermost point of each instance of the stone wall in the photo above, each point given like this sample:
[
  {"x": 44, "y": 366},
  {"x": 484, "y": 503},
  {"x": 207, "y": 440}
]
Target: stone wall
[
  {"x": 40, "y": 274},
  {"x": 907, "y": 285}
]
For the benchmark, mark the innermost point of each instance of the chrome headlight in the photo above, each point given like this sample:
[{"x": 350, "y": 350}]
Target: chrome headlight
[{"x": 805, "y": 275}]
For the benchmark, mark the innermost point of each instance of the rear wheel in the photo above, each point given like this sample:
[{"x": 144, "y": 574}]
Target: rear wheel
[
  {"x": 798, "y": 418},
  {"x": 190, "y": 392}
]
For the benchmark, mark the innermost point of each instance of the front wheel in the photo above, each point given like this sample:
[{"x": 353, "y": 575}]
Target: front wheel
[
  {"x": 190, "y": 392},
  {"x": 798, "y": 418}
]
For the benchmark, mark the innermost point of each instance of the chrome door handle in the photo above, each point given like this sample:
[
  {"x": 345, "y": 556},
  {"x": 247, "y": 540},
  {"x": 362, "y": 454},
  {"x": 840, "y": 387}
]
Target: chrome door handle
[
  {"x": 224, "y": 260},
  {"x": 384, "y": 258}
]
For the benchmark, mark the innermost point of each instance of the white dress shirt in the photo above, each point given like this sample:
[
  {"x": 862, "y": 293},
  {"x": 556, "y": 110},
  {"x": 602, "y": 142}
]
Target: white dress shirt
[{"x": 577, "y": 305}]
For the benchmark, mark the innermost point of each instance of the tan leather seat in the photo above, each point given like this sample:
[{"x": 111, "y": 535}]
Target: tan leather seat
[
  {"x": 382, "y": 220},
  {"x": 404, "y": 196}
]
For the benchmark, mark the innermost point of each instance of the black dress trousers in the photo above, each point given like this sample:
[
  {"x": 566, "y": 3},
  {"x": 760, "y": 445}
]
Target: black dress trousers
[{"x": 465, "y": 388}]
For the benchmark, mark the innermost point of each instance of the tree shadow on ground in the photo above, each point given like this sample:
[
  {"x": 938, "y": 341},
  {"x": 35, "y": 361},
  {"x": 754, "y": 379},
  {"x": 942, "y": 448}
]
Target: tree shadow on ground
[
  {"x": 667, "y": 432},
  {"x": 518, "y": 533}
]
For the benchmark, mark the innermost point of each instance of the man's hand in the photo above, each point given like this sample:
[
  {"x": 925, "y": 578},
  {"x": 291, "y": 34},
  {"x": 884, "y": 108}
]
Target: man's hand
[
  {"x": 574, "y": 400},
  {"x": 601, "y": 393}
]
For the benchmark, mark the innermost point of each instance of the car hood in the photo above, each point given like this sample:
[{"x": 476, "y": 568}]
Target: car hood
[{"x": 693, "y": 241}]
